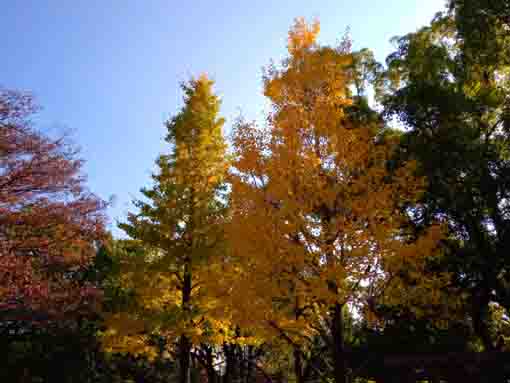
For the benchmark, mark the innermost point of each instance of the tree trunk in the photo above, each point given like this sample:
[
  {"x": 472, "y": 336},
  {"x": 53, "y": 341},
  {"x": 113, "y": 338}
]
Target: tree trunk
[
  {"x": 185, "y": 360},
  {"x": 298, "y": 365},
  {"x": 228, "y": 364},
  {"x": 209, "y": 359},
  {"x": 242, "y": 364},
  {"x": 237, "y": 358},
  {"x": 337, "y": 331},
  {"x": 185, "y": 344},
  {"x": 250, "y": 377}
]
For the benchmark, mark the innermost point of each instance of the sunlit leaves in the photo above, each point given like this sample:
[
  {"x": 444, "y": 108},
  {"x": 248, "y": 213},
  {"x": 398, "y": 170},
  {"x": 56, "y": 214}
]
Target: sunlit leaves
[
  {"x": 179, "y": 229},
  {"x": 316, "y": 216}
]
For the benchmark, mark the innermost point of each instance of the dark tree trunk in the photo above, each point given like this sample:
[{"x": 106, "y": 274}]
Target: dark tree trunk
[
  {"x": 209, "y": 360},
  {"x": 184, "y": 343},
  {"x": 237, "y": 360},
  {"x": 337, "y": 331},
  {"x": 185, "y": 360},
  {"x": 242, "y": 364},
  {"x": 298, "y": 365},
  {"x": 250, "y": 376},
  {"x": 227, "y": 378}
]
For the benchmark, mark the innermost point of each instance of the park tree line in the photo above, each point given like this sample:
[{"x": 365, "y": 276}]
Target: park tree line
[{"x": 345, "y": 238}]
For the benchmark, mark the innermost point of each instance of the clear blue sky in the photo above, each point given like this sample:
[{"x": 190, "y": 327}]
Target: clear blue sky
[{"x": 109, "y": 69}]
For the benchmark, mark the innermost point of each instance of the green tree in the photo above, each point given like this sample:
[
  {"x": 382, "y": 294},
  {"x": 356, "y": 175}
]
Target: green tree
[{"x": 449, "y": 84}]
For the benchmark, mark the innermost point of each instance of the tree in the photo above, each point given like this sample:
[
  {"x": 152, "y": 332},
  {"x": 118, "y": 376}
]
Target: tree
[
  {"x": 35, "y": 354},
  {"x": 448, "y": 83},
  {"x": 317, "y": 224},
  {"x": 179, "y": 227},
  {"x": 49, "y": 221}
]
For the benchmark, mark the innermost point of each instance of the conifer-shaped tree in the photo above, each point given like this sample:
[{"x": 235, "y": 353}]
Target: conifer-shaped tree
[{"x": 179, "y": 225}]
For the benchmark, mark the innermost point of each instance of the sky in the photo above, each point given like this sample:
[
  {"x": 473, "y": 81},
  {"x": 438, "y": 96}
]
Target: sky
[{"x": 109, "y": 70}]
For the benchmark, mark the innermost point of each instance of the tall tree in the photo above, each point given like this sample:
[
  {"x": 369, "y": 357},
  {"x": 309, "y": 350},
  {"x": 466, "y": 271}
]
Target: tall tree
[
  {"x": 449, "y": 84},
  {"x": 315, "y": 223},
  {"x": 49, "y": 221},
  {"x": 180, "y": 226}
]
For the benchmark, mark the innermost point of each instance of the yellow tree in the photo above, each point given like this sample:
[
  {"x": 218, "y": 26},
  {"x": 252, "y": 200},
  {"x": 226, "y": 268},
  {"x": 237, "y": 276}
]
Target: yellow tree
[
  {"x": 179, "y": 225},
  {"x": 318, "y": 224}
]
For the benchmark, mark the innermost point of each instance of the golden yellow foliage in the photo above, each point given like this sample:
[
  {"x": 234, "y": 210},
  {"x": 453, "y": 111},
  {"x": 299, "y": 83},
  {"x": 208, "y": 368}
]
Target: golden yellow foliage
[
  {"x": 317, "y": 217},
  {"x": 180, "y": 232}
]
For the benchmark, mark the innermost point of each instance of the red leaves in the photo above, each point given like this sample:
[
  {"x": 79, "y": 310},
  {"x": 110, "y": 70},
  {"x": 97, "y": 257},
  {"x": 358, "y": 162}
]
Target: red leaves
[{"x": 48, "y": 220}]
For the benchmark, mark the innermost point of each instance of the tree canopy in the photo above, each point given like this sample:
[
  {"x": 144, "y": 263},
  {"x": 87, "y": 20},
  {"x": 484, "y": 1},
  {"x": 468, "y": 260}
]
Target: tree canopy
[{"x": 344, "y": 238}]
